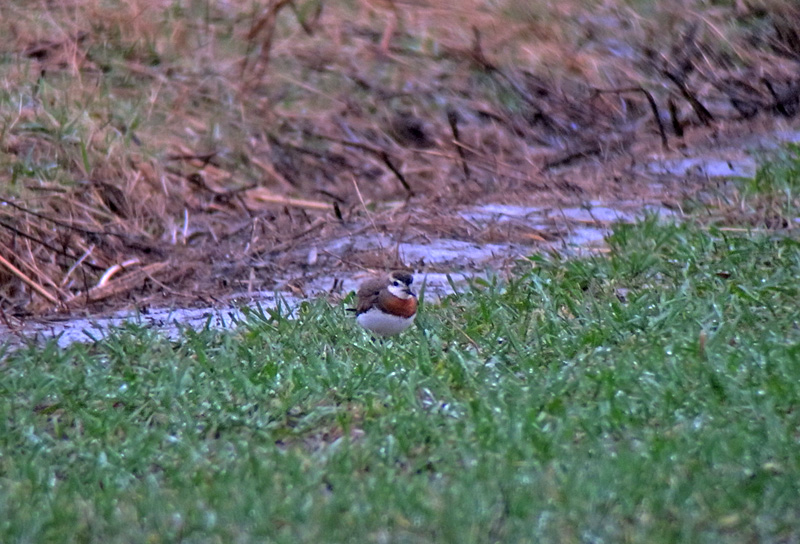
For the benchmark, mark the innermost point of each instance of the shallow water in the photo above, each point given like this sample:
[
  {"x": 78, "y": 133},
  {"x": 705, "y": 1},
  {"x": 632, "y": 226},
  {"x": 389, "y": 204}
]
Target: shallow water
[
  {"x": 170, "y": 322},
  {"x": 578, "y": 229},
  {"x": 709, "y": 167}
]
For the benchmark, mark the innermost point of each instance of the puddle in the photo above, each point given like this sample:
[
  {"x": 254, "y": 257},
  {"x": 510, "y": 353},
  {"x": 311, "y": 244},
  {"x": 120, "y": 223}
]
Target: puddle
[
  {"x": 712, "y": 168},
  {"x": 574, "y": 229},
  {"x": 442, "y": 251},
  {"x": 594, "y": 211},
  {"x": 577, "y": 227},
  {"x": 68, "y": 331}
]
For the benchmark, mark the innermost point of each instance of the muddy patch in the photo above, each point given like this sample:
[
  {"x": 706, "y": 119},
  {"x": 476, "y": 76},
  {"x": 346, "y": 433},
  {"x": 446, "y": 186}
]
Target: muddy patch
[
  {"x": 170, "y": 322},
  {"x": 445, "y": 246},
  {"x": 443, "y": 265}
]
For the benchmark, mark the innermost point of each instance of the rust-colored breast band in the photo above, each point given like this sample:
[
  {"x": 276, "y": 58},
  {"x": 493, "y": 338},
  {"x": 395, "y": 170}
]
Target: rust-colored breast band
[{"x": 397, "y": 306}]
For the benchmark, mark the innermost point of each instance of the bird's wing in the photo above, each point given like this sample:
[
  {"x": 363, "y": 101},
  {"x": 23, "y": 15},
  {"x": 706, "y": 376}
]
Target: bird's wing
[{"x": 368, "y": 294}]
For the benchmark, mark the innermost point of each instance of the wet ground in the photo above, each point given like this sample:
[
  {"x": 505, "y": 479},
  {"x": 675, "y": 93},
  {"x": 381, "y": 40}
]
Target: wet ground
[
  {"x": 284, "y": 164},
  {"x": 440, "y": 262}
]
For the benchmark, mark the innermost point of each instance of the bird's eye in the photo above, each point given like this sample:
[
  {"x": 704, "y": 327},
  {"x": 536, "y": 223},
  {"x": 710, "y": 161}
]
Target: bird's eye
[{"x": 396, "y": 283}]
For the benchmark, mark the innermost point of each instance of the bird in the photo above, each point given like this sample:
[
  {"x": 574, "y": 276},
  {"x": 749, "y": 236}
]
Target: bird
[{"x": 386, "y": 305}]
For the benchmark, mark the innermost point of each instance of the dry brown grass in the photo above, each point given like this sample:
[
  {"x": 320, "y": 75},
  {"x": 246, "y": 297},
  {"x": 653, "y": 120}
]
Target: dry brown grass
[{"x": 189, "y": 138}]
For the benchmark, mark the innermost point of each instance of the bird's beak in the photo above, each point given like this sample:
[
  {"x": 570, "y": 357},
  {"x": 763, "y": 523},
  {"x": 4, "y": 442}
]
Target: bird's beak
[{"x": 410, "y": 292}]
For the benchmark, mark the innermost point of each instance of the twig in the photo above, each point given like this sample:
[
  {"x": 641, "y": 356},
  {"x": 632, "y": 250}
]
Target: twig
[
  {"x": 65, "y": 225},
  {"x": 33, "y": 285},
  {"x": 452, "y": 118},
  {"x": 491, "y": 165},
  {"x": 382, "y": 154},
  {"x": 591, "y": 149},
  {"x": 265, "y": 23},
  {"x": 702, "y": 112},
  {"x": 185, "y": 231},
  {"x": 30, "y": 266},
  {"x": 319, "y": 222},
  {"x": 122, "y": 284},
  {"x": 673, "y": 115},
  {"x": 76, "y": 265},
  {"x": 782, "y": 100},
  {"x": 44, "y": 244},
  {"x": 113, "y": 270},
  {"x": 385, "y": 158},
  {"x": 366, "y": 211},
  {"x": 337, "y": 212},
  {"x": 653, "y": 107},
  {"x": 263, "y": 195}
]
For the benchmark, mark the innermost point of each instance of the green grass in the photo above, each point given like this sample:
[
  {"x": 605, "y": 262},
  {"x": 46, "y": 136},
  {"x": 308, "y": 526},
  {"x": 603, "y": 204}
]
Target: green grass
[{"x": 649, "y": 395}]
